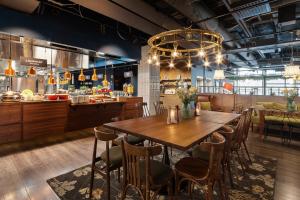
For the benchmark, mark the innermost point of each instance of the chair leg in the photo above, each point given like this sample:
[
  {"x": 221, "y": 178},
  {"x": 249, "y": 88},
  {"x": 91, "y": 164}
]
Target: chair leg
[
  {"x": 209, "y": 191},
  {"x": 93, "y": 165},
  {"x": 108, "y": 183},
  {"x": 170, "y": 190},
  {"x": 222, "y": 190},
  {"x": 229, "y": 173},
  {"x": 240, "y": 161},
  {"x": 177, "y": 186},
  {"x": 246, "y": 149},
  {"x": 119, "y": 175}
]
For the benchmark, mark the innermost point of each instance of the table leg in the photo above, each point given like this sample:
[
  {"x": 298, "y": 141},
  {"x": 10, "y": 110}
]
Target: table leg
[{"x": 166, "y": 159}]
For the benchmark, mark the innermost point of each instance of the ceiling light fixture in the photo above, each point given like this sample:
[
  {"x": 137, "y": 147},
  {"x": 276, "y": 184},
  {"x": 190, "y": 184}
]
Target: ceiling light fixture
[
  {"x": 179, "y": 44},
  {"x": 81, "y": 76},
  {"x": 9, "y": 71}
]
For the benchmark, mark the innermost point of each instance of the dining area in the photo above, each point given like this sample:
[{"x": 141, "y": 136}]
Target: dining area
[{"x": 202, "y": 157}]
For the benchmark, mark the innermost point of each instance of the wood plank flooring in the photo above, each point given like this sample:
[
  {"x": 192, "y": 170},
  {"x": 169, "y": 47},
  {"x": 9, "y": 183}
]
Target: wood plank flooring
[{"x": 24, "y": 168}]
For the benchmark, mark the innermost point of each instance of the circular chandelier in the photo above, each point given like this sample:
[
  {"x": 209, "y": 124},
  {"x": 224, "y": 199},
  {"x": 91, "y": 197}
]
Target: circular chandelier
[{"x": 185, "y": 44}]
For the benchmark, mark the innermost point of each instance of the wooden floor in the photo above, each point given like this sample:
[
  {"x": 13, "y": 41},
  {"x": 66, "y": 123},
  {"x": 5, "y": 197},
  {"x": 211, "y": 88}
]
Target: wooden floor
[{"x": 24, "y": 168}]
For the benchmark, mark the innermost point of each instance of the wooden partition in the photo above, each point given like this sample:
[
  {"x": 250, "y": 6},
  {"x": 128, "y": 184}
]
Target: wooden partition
[{"x": 229, "y": 102}]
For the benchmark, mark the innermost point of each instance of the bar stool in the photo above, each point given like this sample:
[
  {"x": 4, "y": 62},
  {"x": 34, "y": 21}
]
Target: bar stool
[{"x": 112, "y": 157}]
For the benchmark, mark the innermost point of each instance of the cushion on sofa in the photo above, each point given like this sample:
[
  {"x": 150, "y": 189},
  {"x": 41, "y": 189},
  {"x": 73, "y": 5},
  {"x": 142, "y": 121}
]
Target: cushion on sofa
[{"x": 205, "y": 106}]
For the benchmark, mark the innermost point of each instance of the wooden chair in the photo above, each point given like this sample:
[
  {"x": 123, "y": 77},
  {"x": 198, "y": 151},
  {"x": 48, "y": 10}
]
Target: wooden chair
[
  {"x": 159, "y": 108},
  {"x": 237, "y": 139},
  {"x": 112, "y": 157},
  {"x": 138, "y": 108},
  {"x": 142, "y": 173},
  {"x": 200, "y": 152},
  {"x": 246, "y": 131},
  {"x": 146, "y": 111},
  {"x": 197, "y": 171}
]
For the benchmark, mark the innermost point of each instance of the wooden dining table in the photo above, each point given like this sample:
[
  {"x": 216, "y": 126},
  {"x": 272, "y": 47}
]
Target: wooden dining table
[{"x": 183, "y": 135}]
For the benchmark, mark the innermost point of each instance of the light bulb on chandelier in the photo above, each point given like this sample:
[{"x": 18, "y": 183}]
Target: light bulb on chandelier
[
  {"x": 206, "y": 63},
  {"x": 219, "y": 58},
  {"x": 149, "y": 60},
  {"x": 201, "y": 53},
  {"x": 171, "y": 65},
  {"x": 157, "y": 63}
]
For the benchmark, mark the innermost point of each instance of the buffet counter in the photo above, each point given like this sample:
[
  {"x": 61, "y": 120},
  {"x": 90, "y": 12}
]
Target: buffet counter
[{"x": 26, "y": 120}]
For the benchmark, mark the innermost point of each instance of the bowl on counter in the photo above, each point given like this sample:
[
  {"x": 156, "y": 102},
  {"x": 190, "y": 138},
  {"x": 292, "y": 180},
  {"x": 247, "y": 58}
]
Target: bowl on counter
[
  {"x": 63, "y": 96},
  {"x": 52, "y": 97}
]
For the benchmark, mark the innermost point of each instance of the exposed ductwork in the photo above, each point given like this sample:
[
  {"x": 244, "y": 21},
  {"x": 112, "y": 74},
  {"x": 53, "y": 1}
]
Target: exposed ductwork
[
  {"x": 196, "y": 11},
  {"x": 261, "y": 47}
]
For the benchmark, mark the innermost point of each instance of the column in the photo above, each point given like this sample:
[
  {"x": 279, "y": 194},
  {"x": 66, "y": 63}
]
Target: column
[{"x": 148, "y": 80}]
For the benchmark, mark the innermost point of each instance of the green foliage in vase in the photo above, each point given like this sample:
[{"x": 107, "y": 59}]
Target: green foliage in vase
[{"x": 186, "y": 95}]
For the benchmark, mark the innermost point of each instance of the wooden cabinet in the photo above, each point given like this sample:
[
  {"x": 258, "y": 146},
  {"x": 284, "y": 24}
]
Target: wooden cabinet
[
  {"x": 44, "y": 118},
  {"x": 10, "y": 122},
  {"x": 130, "y": 109}
]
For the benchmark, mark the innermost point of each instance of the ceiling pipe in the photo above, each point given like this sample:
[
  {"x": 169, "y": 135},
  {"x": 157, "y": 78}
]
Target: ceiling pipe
[
  {"x": 196, "y": 11},
  {"x": 241, "y": 23},
  {"x": 261, "y": 47}
]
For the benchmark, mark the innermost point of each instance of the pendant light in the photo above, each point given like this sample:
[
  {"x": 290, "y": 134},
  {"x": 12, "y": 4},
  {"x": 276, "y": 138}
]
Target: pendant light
[
  {"x": 219, "y": 74},
  {"x": 291, "y": 70},
  {"x": 94, "y": 76},
  {"x": 9, "y": 71},
  {"x": 51, "y": 79},
  {"x": 31, "y": 71},
  {"x": 105, "y": 82},
  {"x": 67, "y": 75},
  {"x": 81, "y": 76}
]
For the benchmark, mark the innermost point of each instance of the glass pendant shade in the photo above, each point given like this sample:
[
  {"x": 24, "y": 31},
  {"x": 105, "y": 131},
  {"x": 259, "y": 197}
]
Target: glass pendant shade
[
  {"x": 51, "y": 79},
  {"x": 9, "y": 71},
  {"x": 219, "y": 74},
  {"x": 291, "y": 71},
  {"x": 105, "y": 82},
  {"x": 31, "y": 71},
  {"x": 94, "y": 76},
  {"x": 67, "y": 75},
  {"x": 81, "y": 76}
]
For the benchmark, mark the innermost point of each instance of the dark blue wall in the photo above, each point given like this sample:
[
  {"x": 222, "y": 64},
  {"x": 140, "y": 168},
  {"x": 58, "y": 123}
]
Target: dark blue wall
[{"x": 68, "y": 29}]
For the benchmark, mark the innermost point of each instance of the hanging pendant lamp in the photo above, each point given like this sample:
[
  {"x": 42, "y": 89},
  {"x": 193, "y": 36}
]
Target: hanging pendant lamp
[
  {"x": 31, "y": 71},
  {"x": 94, "y": 76},
  {"x": 105, "y": 82},
  {"x": 51, "y": 79},
  {"x": 81, "y": 76},
  {"x": 9, "y": 71},
  {"x": 67, "y": 75}
]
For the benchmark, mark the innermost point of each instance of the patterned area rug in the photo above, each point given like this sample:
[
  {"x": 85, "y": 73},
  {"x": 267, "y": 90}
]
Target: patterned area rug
[{"x": 257, "y": 183}]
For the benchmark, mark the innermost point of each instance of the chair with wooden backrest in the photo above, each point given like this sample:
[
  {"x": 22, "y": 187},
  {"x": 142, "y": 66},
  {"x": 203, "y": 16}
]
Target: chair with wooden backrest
[
  {"x": 138, "y": 112},
  {"x": 146, "y": 111},
  {"x": 237, "y": 139},
  {"x": 200, "y": 152},
  {"x": 159, "y": 108},
  {"x": 112, "y": 156},
  {"x": 197, "y": 171},
  {"x": 246, "y": 131},
  {"x": 142, "y": 173}
]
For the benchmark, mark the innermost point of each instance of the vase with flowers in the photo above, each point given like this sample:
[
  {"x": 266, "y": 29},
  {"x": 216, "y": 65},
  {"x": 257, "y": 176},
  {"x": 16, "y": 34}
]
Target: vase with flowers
[
  {"x": 291, "y": 94},
  {"x": 187, "y": 97}
]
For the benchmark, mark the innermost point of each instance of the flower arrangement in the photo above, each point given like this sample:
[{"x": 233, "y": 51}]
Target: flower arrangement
[
  {"x": 186, "y": 95},
  {"x": 290, "y": 94}
]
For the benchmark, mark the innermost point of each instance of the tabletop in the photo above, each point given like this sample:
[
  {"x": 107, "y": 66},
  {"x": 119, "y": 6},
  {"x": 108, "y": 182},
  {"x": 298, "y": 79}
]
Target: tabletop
[{"x": 183, "y": 135}]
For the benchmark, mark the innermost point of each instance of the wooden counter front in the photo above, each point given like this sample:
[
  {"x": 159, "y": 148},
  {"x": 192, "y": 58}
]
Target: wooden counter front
[
  {"x": 26, "y": 120},
  {"x": 44, "y": 118},
  {"x": 83, "y": 116},
  {"x": 10, "y": 122}
]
